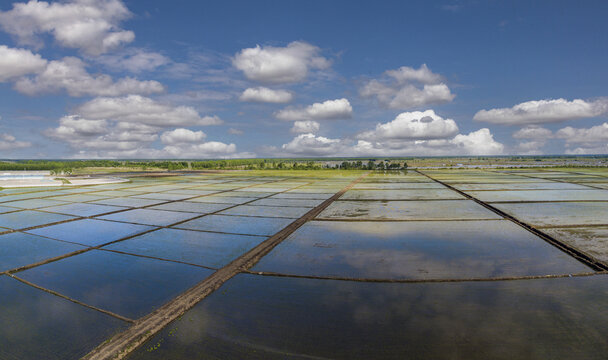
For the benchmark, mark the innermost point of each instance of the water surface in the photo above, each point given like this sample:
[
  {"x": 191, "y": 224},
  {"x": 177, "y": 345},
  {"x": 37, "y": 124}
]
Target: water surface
[{"x": 258, "y": 317}]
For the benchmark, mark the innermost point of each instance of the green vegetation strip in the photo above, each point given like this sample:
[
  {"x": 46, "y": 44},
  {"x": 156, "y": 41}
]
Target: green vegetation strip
[
  {"x": 122, "y": 344},
  {"x": 572, "y": 251}
]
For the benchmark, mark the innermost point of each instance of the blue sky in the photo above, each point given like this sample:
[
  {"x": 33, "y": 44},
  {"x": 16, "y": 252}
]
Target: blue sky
[{"x": 191, "y": 79}]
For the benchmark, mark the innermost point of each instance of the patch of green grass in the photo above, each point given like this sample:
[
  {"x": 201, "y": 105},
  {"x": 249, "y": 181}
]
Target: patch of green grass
[{"x": 64, "y": 181}]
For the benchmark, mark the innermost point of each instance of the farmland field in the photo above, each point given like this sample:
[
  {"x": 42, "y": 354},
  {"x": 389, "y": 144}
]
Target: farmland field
[{"x": 442, "y": 264}]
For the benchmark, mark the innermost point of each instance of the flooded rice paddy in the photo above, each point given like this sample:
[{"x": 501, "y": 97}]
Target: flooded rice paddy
[{"x": 436, "y": 264}]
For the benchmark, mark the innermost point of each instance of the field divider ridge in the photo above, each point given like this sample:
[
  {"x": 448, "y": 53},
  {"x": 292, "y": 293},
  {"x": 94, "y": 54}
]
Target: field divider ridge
[
  {"x": 120, "y": 345},
  {"x": 429, "y": 280},
  {"x": 586, "y": 259},
  {"x": 71, "y": 299}
]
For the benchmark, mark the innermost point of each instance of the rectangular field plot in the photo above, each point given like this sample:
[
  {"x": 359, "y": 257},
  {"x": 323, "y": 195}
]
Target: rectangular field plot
[
  {"x": 38, "y": 325},
  {"x": 216, "y": 187},
  {"x": 33, "y": 203},
  {"x": 194, "y": 247},
  {"x": 302, "y": 195},
  {"x": 505, "y": 180},
  {"x": 29, "y": 218},
  {"x": 319, "y": 190},
  {"x": 18, "y": 197},
  {"x": 416, "y": 250},
  {"x": 397, "y": 185},
  {"x": 270, "y": 317},
  {"x": 267, "y": 211},
  {"x": 522, "y": 186},
  {"x": 564, "y": 175},
  {"x": 19, "y": 249},
  {"x": 8, "y": 191},
  {"x": 407, "y": 210},
  {"x": 248, "y": 194},
  {"x": 155, "y": 188},
  {"x": 129, "y": 202},
  {"x": 127, "y": 285},
  {"x": 602, "y": 185},
  {"x": 402, "y": 194},
  {"x": 222, "y": 199},
  {"x": 399, "y": 176},
  {"x": 150, "y": 217},
  {"x": 191, "y": 192},
  {"x": 288, "y": 202},
  {"x": 541, "y": 195},
  {"x": 263, "y": 191},
  {"x": 79, "y": 198},
  {"x": 579, "y": 179},
  {"x": 85, "y": 210},
  {"x": 455, "y": 177},
  {"x": 164, "y": 196},
  {"x": 5, "y": 209},
  {"x": 591, "y": 240},
  {"x": 245, "y": 225},
  {"x": 558, "y": 214},
  {"x": 91, "y": 232},
  {"x": 258, "y": 191},
  {"x": 113, "y": 193},
  {"x": 189, "y": 206}
]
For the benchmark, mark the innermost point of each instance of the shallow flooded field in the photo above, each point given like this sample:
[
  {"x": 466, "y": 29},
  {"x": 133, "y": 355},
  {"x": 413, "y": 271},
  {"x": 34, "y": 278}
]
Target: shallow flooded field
[{"x": 437, "y": 264}]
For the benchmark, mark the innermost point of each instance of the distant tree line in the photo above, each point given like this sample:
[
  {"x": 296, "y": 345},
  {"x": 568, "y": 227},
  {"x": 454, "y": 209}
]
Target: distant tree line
[{"x": 67, "y": 167}]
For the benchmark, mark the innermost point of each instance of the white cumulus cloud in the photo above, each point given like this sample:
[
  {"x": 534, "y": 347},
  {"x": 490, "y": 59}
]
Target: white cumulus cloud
[
  {"x": 128, "y": 127},
  {"x": 544, "y": 111},
  {"x": 18, "y": 62},
  {"x": 112, "y": 139},
  {"x": 401, "y": 141},
  {"x": 82, "y": 133},
  {"x": 310, "y": 144},
  {"x": 407, "y": 74},
  {"x": 480, "y": 142},
  {"x": 266, "y": 95},
  {"x": 598, "y": 150},
  {"x": 597, "y": 133},
  {"x": 9, "y": 142},
  {"x": 532, "y": 147},
  {"x": 73, "y": 126},
  {"x": 288, "y": 64},
  {"x": 92, "y": 26},
  {"x": 534, "y": 138},
  {"x": 143, "y": 110},
  {"x": 533, "y": 132},
  {"x": 330, "y": 109},
  {"x": 413, "y": 125},
  {"x": 181, "y": 135},
  {"x": 133, "y": 60},
  {"x": 407, "y": 87},
  {"x": 70, "y": 74},
  {"x": 211, "y": 149},
  {"x": 305, "y": 127},
  {"x": 580, "y": 141}
]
